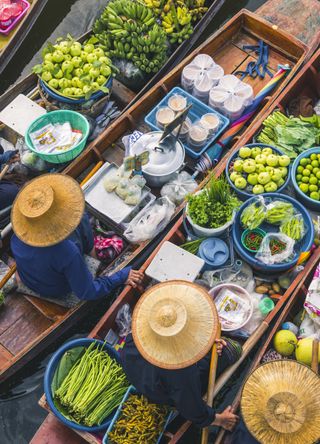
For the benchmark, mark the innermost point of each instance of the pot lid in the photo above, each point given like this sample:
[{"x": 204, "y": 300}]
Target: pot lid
[
  {"x": 214, "y": 251},
  {"x": 162, "y": 160}
]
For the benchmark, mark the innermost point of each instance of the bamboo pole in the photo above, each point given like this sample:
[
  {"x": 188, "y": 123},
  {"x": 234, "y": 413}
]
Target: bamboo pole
[
  {"x": 91, "y": 173},
  {"x": 5, "y": 279},
  {"x": 212, "y": 377},
  {"x": 4, "y": 171},
  {"x": 315, "y": 355}
]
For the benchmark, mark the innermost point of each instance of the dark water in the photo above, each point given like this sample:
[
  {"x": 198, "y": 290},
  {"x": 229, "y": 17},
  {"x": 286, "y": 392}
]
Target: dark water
[{"x": 20, "y": 415}]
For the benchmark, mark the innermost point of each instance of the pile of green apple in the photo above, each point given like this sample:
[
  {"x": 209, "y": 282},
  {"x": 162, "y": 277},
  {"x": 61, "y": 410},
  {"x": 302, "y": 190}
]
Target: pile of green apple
[
  {"x": 73, "y": 69},
  {"x": 259, "y": 170}
]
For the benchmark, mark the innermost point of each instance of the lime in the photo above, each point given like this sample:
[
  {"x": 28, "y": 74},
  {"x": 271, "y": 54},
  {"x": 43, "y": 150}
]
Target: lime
[
  {"x": 313, "y": 156},
  {"x": 305, "y": 179},
  {"x": 300, "y": 169},
  {"x": 315, "y": 163},
  {"x": 305, "y": 161},
  {"x": 313, "y": 180},
  {"x": 315, "y": 195},
  {"x": 299, "y": 177},
  {"x": 313, "y": 188},
  {"x": 306, "y": 172},
  {"x": 309, "y": 167},
  {"x": 318, "y": 175},
  {"x": 318, "y": 156},
  {"x": 315, "y": 170},
  {"x": 304, "y": 187}
]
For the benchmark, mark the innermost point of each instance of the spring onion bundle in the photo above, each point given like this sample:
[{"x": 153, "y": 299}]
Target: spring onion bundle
[{"x": 93, "y": 388}]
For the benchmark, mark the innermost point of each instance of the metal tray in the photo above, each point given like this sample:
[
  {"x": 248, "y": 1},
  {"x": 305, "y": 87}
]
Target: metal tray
[{"x": 109, "y": 204}]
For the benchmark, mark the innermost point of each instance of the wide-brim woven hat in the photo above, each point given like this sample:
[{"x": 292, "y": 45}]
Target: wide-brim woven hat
[
  {"x": 280, "y": 403},
  {"x": 174, "y": 324},
  {"x": 47, "y": 210}
]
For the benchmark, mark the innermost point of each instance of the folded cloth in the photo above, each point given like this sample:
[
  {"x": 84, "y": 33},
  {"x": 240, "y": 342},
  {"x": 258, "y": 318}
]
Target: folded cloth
[{"x": 108, "y": 248}]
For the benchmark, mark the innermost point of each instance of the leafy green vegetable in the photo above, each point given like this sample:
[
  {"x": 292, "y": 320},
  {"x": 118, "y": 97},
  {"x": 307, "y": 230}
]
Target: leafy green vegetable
[
  {"x": 292, "y": 135},
  {"x": 214, "y": 206}
]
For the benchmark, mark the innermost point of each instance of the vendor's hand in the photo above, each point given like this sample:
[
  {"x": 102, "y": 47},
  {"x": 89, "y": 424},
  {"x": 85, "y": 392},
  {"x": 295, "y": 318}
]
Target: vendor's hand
[
  {"x": 220, "y": 344},
  {"x": 14, "y": 159},
  {"x": 135, "y": 278},
  {"x": 227, "y": 419}
]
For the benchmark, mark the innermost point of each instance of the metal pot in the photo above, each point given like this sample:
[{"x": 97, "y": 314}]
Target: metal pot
[{"x": 164, "y": 161}]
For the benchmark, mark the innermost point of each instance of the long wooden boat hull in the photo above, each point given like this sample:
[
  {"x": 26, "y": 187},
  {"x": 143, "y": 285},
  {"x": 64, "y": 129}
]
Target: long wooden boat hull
[{"x": 10, "y": 44}]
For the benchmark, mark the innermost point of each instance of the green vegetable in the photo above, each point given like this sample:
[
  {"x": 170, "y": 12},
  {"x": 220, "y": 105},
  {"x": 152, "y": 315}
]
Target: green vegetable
[
  {"x": 293, "y": 227},
  {"x": 278, "y": 211},
  {"x": 214, "y": 206},
  {"x": 292, "y": 135},
  {"x": 93, "y": 388},
  {"x": 253, "y": 215},
  {"x": 192, "y": 246}
]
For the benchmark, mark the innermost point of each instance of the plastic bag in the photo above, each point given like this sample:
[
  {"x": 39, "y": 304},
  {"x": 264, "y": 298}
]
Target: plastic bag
[
  {"x": 177, "y": 189},
  {"x": 278, "y": 211},
  {"x": 129, "y": 74},
  {"x": 134, "y": 194},
  {"x": 150, "y": 221},
  {"x": 111, "y": 181},
  {"x": 122, "y": 189},
  {"x": 294, "y": 227},
  {"x": 254, "y": 214},
  {"x": 232, "y": 309},
  {"x": 312, "y": 302},
  {"x": 275, "y": 248},
  {"x": 124, "y": 320},
  {"x": 130, "y": 140},
  {"x": 307, "y": 328},
  {"x": 30, "y": 159}
]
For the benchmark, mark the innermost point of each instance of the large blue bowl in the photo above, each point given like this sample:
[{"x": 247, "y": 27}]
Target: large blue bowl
[
  {"x": 244, "y": 195},
  {"x": 95, "y": 96},
  {"x": 49, "y": 374},
  {"x": 303, "y": 245},
  {"x": 303, "y": 198}
]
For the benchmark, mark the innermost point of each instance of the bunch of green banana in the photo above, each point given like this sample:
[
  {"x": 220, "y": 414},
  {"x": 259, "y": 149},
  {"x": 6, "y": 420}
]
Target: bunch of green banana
[{"x": 128, "y": 30}]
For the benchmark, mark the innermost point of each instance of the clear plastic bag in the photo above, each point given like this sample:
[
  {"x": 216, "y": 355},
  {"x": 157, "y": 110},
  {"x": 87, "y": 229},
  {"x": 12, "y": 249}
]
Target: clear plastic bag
[
  {"x": 111, "y": 181},
  {"x": 130, "y": 140},
  {"x": 232, "y": 309},
  {"x": 178, "y": 188},
  {"x": 278, "y": 211},
  {"x": 275, "y": 248},
  {"x": 30, "y": 159},
  {"x": 133, "y": 195},
  {"x": 124, "y": 320},
  {"x": 150, "y": 221},
  {"x": 308, "y": 328},
  {"x": 122, "y": 189},
  {"x": 254, "y": 214},
  {"x": 294, "y": 227}
]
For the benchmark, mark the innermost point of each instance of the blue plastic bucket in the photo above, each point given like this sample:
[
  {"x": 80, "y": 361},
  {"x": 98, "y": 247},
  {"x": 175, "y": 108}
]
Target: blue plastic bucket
[
  {"x": 303, "y": 245},
  {"x": 49, "y": 374},
  {"x": 244, "y": 195}
]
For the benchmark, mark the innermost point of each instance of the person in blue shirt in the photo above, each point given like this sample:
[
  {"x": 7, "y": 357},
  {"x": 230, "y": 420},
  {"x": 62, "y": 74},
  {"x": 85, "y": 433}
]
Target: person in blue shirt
[
  {"x": 8, "y": 190},
  {"x": 51, "y": 235}
]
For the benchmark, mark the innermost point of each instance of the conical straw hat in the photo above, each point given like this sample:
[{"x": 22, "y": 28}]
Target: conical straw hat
[
  {"x": 174, "y": 324},
  {"x": 47, "y": 210},
  {"x": 281, "y": 403}
]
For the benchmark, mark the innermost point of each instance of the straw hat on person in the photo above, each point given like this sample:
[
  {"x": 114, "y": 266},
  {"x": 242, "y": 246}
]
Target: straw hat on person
[
  {"x": 174, "y": 324},
  {"x": 281, "y": 404},
  {"x": 47, "y": 210}
]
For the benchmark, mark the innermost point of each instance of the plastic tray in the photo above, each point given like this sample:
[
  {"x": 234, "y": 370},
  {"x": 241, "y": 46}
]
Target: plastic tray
[
  {"x": 196, "y": 112},
  {"x": 26, "y": 6},
  {"x": 132, "y": 391},
  {"x": 109, "y": 204}
]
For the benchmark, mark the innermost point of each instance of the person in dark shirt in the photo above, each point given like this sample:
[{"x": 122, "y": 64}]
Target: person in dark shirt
[
  {"x": 51, "y": 237},
  {"x": 162, "y": 337},
  {"x": 8, "y": 190}
]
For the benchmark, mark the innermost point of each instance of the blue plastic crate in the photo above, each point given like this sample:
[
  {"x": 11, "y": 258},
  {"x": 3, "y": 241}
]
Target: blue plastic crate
[
  {"x": 132, "y": 391},
  {"x": 197, "y": 110}
]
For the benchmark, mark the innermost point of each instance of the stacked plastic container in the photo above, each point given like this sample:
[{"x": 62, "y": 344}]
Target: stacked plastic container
[{"x": 205, "y": 80}]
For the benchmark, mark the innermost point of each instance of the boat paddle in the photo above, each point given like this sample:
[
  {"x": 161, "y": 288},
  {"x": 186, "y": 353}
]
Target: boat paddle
[{"x": 211, "y": 382}]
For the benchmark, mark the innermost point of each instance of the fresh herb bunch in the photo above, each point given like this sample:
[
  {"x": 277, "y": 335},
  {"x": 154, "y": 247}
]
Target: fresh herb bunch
[{"x": 214, "y": 206}]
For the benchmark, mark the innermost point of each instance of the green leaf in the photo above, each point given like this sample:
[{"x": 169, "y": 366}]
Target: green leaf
[
  {"x": 96, "y": 64},
  {"x": 37, "y": 69},
  {"x": 104, "y": 89},
  {"x": 92, "y": 40},
  {"x": 70, "y": 38},
  {"x": 65, "y": 365}
]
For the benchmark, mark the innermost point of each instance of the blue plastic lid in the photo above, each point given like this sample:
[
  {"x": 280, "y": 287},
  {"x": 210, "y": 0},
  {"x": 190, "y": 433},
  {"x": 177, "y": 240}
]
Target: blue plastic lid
[{"x": 214, "y": 251}]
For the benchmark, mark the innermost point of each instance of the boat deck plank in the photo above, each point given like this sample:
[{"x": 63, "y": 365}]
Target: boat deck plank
[
  {"x": 5, "y": 357},
  {"x": 13, "y": 309},
  {"x": 53, "y": 432},
  {"x": 48, "y": 309}
]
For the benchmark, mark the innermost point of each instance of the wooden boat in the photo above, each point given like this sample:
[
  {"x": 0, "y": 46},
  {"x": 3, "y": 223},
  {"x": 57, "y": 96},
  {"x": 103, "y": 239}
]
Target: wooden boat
[
  {"x": 130, "y": 296},
  {"x": 42, "y": 322},
  {"x": 293, "y": 307},
  {"x": 9, "y": 44},
  {"x": 30, "y": 82}
]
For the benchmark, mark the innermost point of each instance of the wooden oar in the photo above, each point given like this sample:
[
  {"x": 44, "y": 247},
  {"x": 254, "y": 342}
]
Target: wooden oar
[
  {"x": 91, "y": 173},
  {"x": 5, "y": 279},
  {"x": 212, "y": 377},
  {"x": 315, "y": 356},
  {"x": 4, "y": 171}
]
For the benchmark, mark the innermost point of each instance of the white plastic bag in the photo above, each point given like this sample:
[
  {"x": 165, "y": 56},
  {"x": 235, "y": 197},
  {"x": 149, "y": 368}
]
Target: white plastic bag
[
  {"x": 124, "y": 320},
  {"x": 150, "y": 221},
  {"x": 232, "y": 309},
  {"x": 265, "y": 253},
  {"x": 177, "y": 189}
]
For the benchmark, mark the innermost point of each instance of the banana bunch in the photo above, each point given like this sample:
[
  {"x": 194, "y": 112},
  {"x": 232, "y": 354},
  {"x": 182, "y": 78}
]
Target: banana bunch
[{"x": 128, "y": 30}]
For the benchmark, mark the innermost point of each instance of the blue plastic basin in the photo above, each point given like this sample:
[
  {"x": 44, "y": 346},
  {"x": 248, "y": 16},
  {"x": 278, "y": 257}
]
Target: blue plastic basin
[
  {"x": 244, "y": 195},
  {"x": 49, "y": 374},
  {"x": 303, "y": 198},
  {"x": 303, "y": 245}
]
